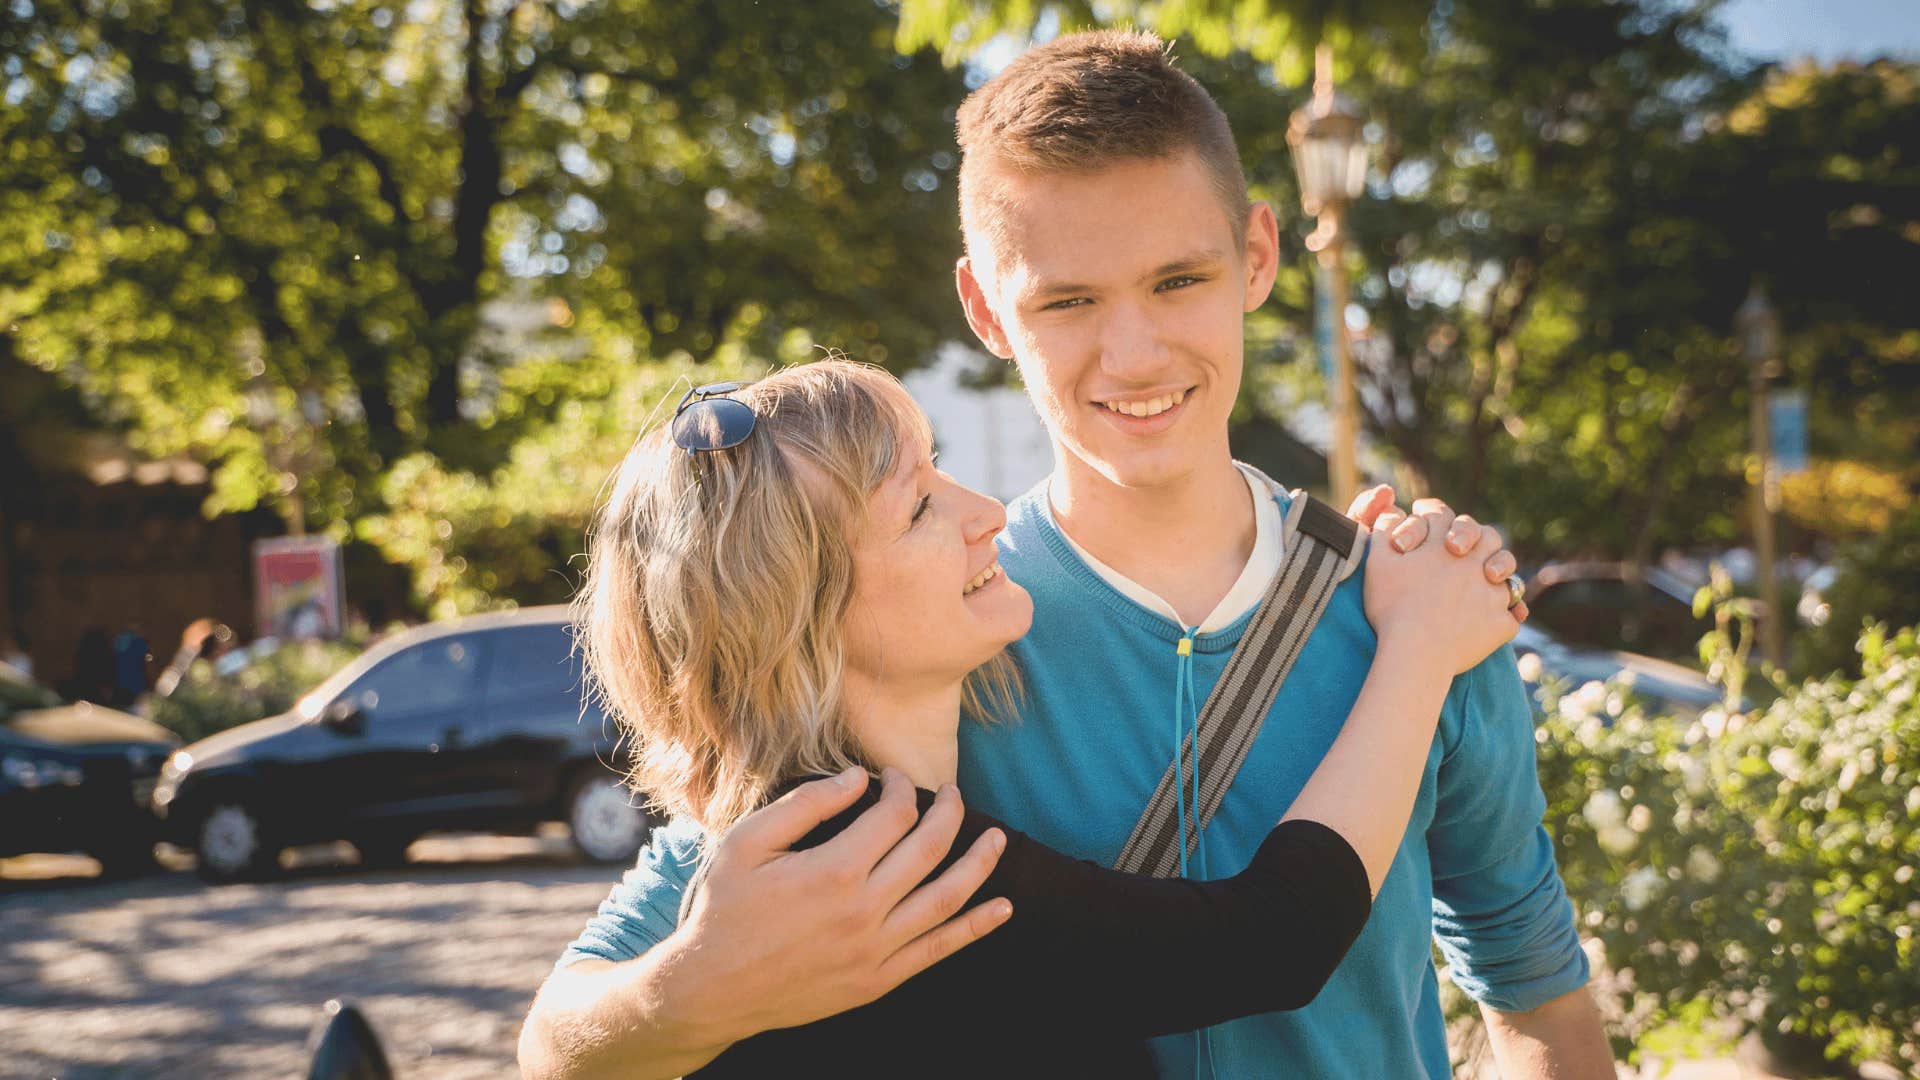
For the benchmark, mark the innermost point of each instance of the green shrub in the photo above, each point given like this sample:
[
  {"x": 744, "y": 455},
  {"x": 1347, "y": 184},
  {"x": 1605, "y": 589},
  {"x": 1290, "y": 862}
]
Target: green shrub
[
  {"x": 1753, "y": 866},
  {"x": 206, "y": 702}
]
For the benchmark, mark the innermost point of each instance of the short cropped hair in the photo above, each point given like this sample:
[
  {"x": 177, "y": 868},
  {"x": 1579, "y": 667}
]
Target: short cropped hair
[
  {"x": 1086, "y": 101},
  {"x": 717, "y": 585}
]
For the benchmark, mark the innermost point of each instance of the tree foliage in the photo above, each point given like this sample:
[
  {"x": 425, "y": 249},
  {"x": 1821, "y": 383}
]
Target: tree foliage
[
  {"x": 306, "y": 240},
  {"x": 363, "y": 256}
]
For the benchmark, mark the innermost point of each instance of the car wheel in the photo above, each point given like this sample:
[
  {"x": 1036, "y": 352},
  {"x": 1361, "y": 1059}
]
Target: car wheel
[
  {"x": 233, "y": 844},
  {"x": 607, "y": 826},
  {"x": 383, "y": 852}
]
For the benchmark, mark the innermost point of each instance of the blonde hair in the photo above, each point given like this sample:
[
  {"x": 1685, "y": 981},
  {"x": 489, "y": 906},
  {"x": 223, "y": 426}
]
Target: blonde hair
[
  {"x": 1086, "y": 101},
  {"x": 717, "y": 584}
]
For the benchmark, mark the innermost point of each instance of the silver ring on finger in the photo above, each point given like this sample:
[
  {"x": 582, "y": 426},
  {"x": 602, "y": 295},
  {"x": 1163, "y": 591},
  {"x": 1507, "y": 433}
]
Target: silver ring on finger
[{"x": 1516, "y": 592}]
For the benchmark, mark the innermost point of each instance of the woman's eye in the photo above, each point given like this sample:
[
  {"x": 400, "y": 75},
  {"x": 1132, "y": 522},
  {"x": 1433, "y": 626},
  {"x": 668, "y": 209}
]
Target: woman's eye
[{"x": 926, "y": 503}]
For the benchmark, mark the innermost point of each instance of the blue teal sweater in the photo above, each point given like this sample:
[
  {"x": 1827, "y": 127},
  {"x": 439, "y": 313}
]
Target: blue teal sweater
[{"x": 1095, "y": 734}]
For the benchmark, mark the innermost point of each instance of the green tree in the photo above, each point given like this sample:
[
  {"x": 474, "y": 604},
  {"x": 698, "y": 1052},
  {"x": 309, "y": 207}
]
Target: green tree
[{"x": 266, "y": 232}]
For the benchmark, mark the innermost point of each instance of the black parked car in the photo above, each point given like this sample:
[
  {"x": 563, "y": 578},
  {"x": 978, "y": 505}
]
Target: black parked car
[
  {"x": 1610, "y": 606},
  {"x": 76, "y": 777},
  {"x": 473, "y": 724}
]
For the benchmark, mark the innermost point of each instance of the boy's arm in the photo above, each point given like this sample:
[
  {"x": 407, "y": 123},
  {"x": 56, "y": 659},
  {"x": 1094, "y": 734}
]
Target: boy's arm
[
  {"x": 1562, "y": 1038},
  {"x": 774, "y": 938},
  {"x": 598, "y": 1018},
  {"x": 1500, "y": 913}
]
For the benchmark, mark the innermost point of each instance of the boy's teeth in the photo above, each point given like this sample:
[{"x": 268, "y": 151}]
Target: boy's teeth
[{"x": 1150, "y": 407}]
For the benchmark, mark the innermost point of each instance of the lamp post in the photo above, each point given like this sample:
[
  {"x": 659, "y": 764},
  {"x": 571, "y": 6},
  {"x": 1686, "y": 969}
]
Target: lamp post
[
  {"x": 1758, "y": 328},
  {"x": 1331, "y": 159}
]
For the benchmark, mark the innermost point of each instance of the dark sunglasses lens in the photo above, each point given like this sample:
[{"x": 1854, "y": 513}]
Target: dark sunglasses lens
[
  {"x": 714, "y": 389},
  {"x": 712, "y": 424}
]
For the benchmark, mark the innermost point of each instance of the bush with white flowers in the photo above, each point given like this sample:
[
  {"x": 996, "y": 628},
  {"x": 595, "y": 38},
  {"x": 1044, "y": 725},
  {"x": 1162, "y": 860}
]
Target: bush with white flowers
[{"x": 1754, "y": 864}]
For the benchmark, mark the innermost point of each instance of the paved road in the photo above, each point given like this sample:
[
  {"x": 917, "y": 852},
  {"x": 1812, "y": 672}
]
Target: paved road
[{"x": 165, "y": 977}]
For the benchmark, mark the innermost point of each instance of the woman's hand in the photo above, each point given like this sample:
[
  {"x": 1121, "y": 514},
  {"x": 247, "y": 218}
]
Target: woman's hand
[
  {"x": 1410, "y": 531},
  {"x": 1429, "y": 606}
]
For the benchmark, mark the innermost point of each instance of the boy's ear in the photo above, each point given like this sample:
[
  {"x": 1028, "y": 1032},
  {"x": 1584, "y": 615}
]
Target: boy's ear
[
  {"x": 1263, "y": 255},
  {"x": 980, "y": 315}
]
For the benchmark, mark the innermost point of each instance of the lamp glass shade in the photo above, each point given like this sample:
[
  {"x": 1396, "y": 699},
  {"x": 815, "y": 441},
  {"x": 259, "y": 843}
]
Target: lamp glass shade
[
  {"x": 1356, "y": 170},
  {"x": 1328, "y": 151}
]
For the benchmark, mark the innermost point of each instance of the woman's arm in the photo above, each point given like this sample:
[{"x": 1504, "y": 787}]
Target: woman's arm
[
  {"x": 1126, "y": 956},
  {"x": 1434, "y": 620},
  {"x": 1098, "y": 951},
  {"x": 1382, "y": 751},
  {"x": 1095, "y": 954}
]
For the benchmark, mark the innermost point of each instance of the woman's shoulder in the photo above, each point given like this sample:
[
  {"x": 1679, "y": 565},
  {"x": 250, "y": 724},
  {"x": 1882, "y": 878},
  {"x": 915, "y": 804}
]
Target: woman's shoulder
[{"x": 973, "y": 822}]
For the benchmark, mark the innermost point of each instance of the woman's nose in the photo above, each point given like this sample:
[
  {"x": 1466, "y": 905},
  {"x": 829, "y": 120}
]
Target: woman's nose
[{"x": 986, "y": 518}]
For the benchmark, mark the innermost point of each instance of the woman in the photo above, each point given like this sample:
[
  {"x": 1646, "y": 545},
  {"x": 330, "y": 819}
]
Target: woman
[{"x": 783, "y": 586}]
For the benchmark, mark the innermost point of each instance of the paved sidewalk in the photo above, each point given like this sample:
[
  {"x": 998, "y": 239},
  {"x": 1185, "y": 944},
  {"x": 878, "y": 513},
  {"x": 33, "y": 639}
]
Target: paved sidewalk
[{"x": 167, "y": 978}]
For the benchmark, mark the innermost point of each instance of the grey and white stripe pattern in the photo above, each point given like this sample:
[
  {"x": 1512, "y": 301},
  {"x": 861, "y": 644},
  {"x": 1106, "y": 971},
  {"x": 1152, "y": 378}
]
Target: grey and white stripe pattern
[{"x": 1322, "y": 547}]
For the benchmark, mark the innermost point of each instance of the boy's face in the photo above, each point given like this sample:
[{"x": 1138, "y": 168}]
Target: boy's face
[{"x": 1120, "y": 293}]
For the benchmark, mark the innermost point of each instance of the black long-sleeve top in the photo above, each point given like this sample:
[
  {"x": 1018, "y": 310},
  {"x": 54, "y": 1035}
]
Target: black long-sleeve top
[{"x": 1092, "y": 963}]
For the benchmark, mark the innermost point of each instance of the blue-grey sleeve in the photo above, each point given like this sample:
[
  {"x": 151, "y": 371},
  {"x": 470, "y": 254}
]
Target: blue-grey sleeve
[
  {"x": 1500, "y": 913},
  {"x": 645, "y": 906}
]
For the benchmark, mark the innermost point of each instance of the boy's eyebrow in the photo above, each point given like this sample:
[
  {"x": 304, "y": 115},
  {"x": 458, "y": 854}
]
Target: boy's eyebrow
[
  {"x": 1186, "y": 264},
  {"x": 1065, "y": 288},
  {"x": 1199, "y": 260}
]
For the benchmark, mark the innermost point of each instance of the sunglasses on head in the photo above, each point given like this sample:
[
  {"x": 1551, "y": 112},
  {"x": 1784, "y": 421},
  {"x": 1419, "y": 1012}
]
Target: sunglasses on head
[{"x": 706, "y": 419}]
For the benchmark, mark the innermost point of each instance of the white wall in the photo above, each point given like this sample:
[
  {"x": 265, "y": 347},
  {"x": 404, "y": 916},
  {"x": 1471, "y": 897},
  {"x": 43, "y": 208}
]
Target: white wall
[{"x": 989, "y": 440}]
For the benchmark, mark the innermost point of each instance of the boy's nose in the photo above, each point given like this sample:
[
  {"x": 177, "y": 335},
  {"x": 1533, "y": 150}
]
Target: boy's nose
[{"x": 1129, "y": 346}]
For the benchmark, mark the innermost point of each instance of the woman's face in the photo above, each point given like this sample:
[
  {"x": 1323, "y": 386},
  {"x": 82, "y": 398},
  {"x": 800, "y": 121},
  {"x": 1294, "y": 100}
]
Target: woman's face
[{"x": 929, "y": 601}]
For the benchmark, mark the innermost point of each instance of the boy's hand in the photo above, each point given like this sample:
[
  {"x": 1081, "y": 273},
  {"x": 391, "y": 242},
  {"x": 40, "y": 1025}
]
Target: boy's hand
[{"x": 778, "y": 938}]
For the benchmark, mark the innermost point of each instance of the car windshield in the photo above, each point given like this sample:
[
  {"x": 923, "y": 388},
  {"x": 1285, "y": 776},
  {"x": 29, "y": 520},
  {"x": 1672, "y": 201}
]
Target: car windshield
[
  {"x": 321, "y": 696},
  {"x": 20, "y": 694}
]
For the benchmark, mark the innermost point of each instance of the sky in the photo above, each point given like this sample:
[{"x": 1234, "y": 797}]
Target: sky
[{"x": 1825, "y": 29}]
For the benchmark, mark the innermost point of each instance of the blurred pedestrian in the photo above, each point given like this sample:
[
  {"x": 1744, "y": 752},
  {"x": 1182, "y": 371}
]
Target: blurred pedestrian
[
  {"x": 203, "y": 639},
  {"x": 92, "y": 678},
  {"x": 131, "y": 654}
]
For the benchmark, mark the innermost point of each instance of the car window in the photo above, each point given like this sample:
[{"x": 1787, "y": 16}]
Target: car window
[
  {"x": 1610, "y": 613},
  {"x": 1568, "y": 609},
  {"x": 435, "y": 674},
  {"x": 531, "y": 661},
  {"x": 1669, "y": 628}
]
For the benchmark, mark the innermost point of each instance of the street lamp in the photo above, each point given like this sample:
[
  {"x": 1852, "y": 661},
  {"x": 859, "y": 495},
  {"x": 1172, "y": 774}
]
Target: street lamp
[
  {"x": 1758, "y": 328},
  {"x": 1331, "y": 159}
]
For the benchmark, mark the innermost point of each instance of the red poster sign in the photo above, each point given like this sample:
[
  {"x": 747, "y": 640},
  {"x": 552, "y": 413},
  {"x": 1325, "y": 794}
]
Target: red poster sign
[{"x": 297, "y": 587}]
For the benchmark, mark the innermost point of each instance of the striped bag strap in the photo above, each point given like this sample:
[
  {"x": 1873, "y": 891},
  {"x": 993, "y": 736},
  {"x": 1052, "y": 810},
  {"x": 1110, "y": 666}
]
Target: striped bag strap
[{"x": 1322, "y": 547}]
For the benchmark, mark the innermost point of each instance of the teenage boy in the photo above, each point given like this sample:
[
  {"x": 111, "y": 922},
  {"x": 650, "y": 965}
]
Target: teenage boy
[{"x": 1112, "y": 253}]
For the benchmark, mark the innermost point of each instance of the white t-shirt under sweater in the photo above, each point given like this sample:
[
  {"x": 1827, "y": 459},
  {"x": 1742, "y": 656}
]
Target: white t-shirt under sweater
[{"x": 1247, "y": 589}]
